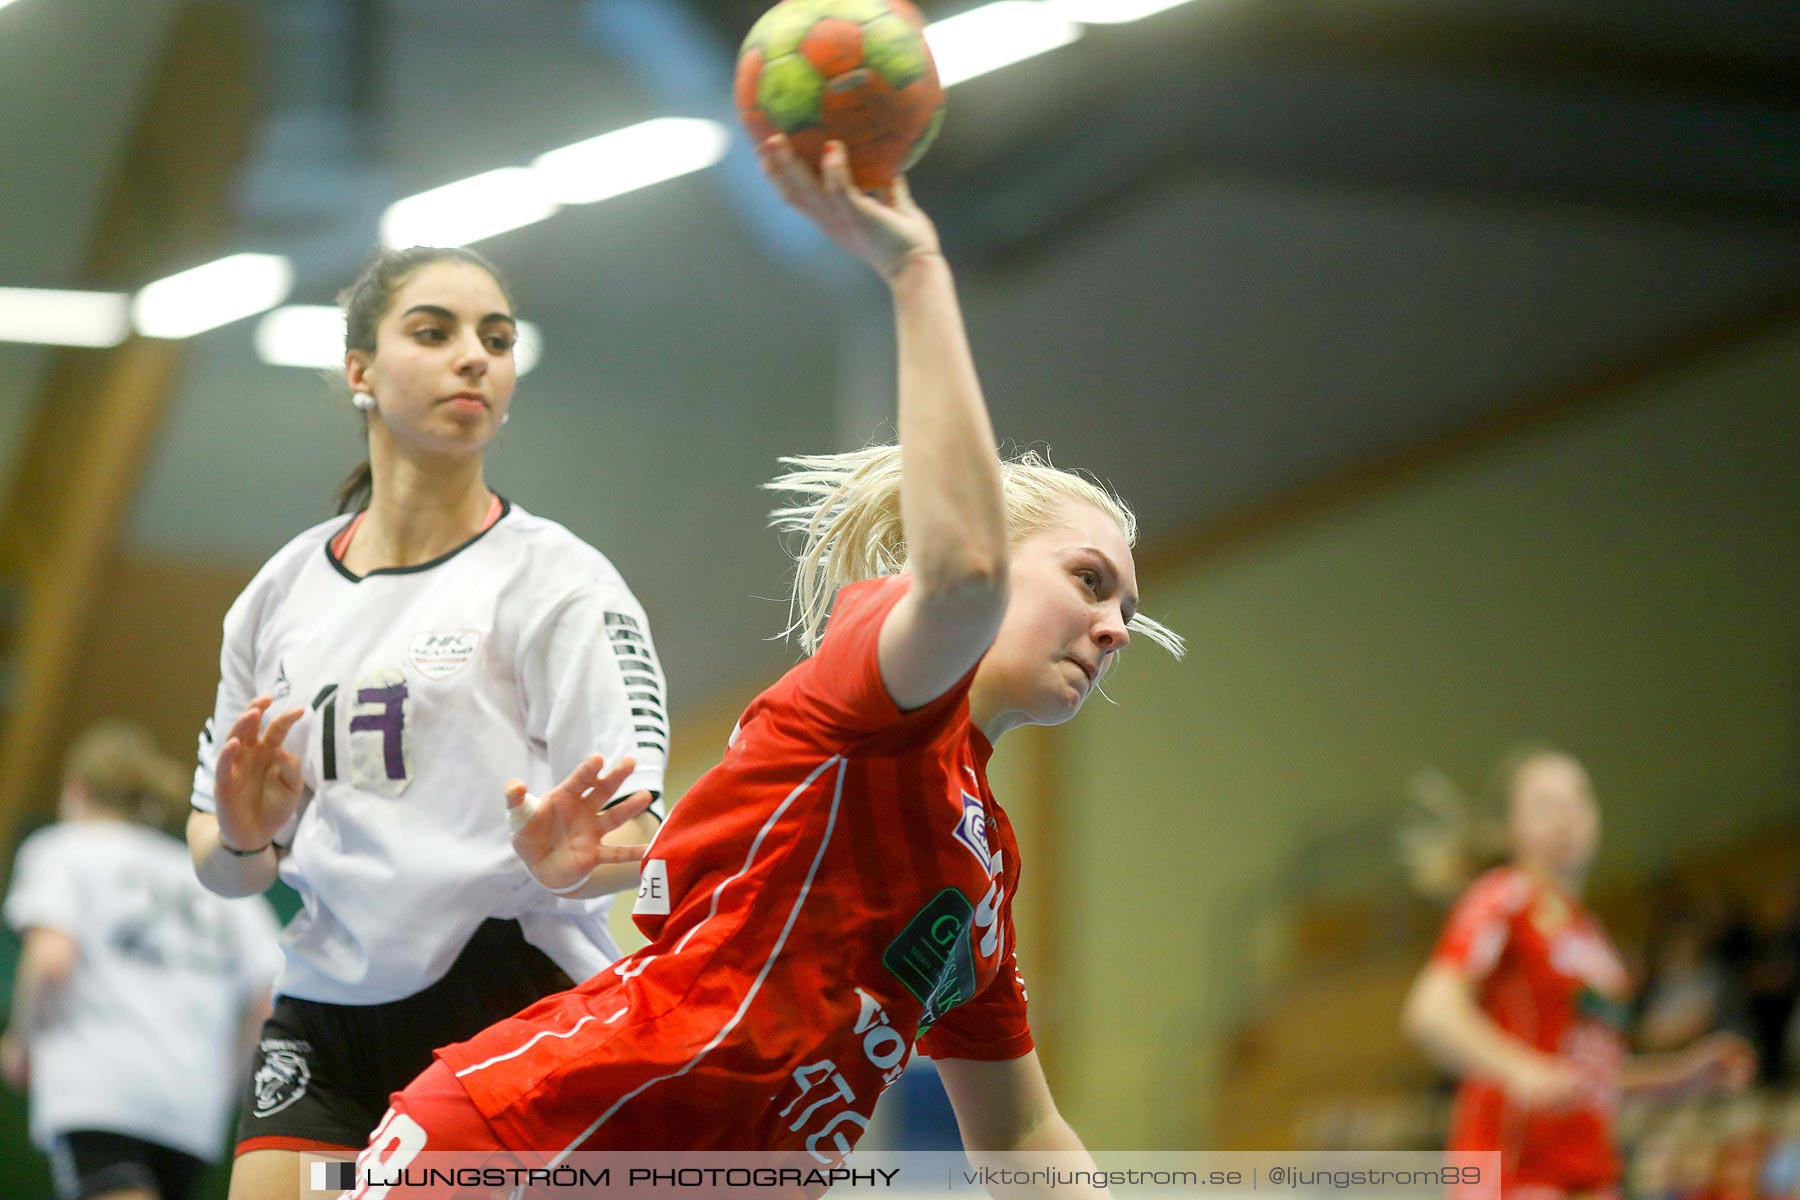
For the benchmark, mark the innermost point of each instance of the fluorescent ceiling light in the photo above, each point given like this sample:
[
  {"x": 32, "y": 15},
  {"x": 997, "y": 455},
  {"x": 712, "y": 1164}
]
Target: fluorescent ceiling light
[
  {"x": 302, "y": 335},
  {"x": 212, "y": 295},
  {"x": 312, "y": 335},
  {"x": 468, "y": 210},
  {"x": 631, "y": 158},
  {"x": 50, "y": 318},
  {"x": 994, "y": 36},
  {"x": 1111, "y": 12}
]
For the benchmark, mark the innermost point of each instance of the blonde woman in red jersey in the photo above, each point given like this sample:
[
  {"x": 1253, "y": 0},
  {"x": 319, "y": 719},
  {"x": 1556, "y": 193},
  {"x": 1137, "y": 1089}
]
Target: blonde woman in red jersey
[
  {"x": 1525, "y": 999},
  {"x": 841, "y": 885}
]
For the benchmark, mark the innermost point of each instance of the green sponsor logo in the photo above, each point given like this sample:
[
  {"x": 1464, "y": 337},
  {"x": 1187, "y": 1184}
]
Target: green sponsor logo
[
  {"x": 1593, "y": 1006},
  {"x": 933, "y": 956}
]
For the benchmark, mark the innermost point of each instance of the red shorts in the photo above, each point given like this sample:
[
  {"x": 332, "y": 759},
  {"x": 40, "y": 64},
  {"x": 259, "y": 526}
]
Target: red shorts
[{"x": 433, "y": 1117}]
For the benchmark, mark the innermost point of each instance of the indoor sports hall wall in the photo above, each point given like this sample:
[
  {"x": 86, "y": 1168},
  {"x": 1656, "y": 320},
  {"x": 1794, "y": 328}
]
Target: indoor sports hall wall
[{"x": 1621, "y": 581}]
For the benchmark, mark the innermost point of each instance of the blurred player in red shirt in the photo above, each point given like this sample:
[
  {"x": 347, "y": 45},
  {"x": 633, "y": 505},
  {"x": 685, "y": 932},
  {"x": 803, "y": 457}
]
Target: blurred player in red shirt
[
  {"x": 841, "y": 884},
  {"x": 1525, "y": 999}
]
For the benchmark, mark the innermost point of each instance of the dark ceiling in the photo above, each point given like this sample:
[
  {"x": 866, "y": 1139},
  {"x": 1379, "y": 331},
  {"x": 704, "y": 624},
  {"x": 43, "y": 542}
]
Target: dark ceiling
[{"x": 1214, "y": 255}]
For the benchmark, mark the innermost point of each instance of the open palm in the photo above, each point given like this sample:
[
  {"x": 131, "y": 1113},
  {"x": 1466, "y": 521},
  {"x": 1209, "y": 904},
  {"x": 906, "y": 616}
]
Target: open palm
[
  {"x": 562, "y": 842},
  {"x": 256, "y": 782}
]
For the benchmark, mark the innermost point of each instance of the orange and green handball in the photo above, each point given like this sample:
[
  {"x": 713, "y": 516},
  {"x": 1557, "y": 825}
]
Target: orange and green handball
[{"x": 855, "y": 71}]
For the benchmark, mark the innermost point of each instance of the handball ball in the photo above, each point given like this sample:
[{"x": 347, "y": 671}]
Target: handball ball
[{"x": 854, "y": 71}]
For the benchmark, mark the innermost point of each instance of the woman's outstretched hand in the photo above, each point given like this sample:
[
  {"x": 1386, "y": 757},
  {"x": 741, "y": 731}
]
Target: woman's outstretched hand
[
  {"x": 1722, "y": 1062},
  {"x": 885, "y": 231},
  {"x": 561, "y": 839},
  {"x": 256, "y": 783}
]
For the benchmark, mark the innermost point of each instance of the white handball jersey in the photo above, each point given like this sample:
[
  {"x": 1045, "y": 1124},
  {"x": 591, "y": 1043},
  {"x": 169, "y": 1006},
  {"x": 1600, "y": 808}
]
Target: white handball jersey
[
  {"x": 426, "y": 688},
  {"x": 142, "y": 1040}
]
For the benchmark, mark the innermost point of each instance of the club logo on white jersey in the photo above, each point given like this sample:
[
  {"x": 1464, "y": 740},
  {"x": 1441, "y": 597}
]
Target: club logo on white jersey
[
  {"x": 972, "y": 831},
  {"x": 653, "y": 888},
  {"x": 282, "y": 686},
  {"x": 441, "y": 655},
  {"x": 282, "y": 1076}
]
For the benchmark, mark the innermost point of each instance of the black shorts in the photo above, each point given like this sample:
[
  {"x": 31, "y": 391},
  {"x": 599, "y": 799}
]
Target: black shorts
[
  {"x": 92, "y": 1162},
  {"x": 323, "y": 1072}
]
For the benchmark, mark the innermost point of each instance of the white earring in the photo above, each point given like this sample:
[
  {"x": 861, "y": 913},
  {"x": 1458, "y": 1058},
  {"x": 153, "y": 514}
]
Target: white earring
[
  {"x": 505, "y": 417},
  {"x": 362, "y": 400}
]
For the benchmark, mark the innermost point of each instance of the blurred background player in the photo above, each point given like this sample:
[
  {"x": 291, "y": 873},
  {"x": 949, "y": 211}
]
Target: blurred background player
[
  {"x": 432, "y": 646},
  {"x": 843, "y": 882},
  {"x": 138, "y": 992},
  {"x": 1525, "y": 999}
]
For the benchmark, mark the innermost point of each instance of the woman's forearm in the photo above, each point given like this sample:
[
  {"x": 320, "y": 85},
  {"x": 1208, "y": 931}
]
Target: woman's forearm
[
  {"x": 221, "y": 871},
  {"x": 1051, "y": 1145},
  {"x": 1442, "y": 1019},
  {"x": 950, "y": 495},
  {"x": 46, "y": 961}
]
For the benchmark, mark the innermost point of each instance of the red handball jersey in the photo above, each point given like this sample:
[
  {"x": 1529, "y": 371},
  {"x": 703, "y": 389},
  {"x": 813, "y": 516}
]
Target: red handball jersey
[
  {"x": 1544, "y": 972},
  {"x": 840, "y": 884}
]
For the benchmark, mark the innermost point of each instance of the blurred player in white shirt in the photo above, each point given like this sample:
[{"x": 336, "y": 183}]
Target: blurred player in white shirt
[{"x": 138, "y": 992}]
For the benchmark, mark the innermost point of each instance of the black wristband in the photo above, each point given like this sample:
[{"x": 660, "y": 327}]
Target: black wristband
[{"x": 243, "y": 853}]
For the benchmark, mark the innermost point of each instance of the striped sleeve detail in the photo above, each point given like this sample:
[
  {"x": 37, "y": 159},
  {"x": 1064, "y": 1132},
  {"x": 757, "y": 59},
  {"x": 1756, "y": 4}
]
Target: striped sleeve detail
[{"x": 643, "y": 679}]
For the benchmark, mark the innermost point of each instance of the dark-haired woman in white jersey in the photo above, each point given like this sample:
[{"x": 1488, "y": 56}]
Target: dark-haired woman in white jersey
[{"x": 382, "y": 677}]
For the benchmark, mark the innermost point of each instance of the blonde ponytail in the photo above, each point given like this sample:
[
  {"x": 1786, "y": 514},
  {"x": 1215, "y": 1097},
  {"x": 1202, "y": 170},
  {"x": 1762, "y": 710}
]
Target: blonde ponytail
[
  {"x": 847, "y": 513},
  {"x": 1447, "y": 843},
  {"x": 1452, "y": 838}
]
